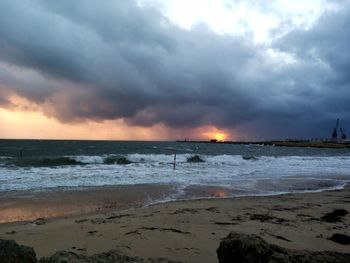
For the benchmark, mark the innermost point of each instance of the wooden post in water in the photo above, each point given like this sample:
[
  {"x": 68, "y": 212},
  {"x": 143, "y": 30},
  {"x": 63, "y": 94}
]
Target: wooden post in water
[
  {"x": 21, "y": 153},
  {"x": 174, "y": 164}
]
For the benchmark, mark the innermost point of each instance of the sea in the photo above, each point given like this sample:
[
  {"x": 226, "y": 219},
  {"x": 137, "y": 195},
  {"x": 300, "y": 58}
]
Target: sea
[
  {"x": 240, "y": 169},
  {"x": 54, "y": 178}
]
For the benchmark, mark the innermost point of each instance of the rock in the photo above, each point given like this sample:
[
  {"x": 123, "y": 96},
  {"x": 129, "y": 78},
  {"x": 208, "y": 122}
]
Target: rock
[
  {"x": 195, "y": 159},
  {"x": 11, "y": 252},
  {"x": 123, "y": 160},
  {"x": 39, "y": 221},
  {"x": 244, "y": 248},
  {"x": 340, "y": 239},
  {"x": 112, "y": 256},
  {"x": 250, "y": 157},
  {"x": 116, "y": 160}
]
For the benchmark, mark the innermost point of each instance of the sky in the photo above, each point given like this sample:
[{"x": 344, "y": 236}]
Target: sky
[{"x": 174, "y": 69}]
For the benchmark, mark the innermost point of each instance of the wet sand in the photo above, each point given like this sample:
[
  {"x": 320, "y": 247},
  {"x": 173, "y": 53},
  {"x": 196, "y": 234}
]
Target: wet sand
[
  {"x": 27, "y": 205},
  {"x": 190, "y": 231}
]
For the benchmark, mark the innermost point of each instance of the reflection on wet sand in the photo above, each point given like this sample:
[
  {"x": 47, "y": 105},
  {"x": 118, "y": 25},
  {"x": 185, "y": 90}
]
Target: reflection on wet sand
[
  {"x": 221, "y": 193},
  {"x": 58, "y": 203},
  {"x": 24, "y": 213},
  {"x": 28, "y": 206},
  {"x": 208, "y": 191}
]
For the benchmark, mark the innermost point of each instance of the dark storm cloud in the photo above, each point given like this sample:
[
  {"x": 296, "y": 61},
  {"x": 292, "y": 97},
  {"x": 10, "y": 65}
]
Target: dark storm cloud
[
  {"x": 323, "y": 78},
  {"x": 4, "y": 102},
  {"x": 88, "y": 60}
]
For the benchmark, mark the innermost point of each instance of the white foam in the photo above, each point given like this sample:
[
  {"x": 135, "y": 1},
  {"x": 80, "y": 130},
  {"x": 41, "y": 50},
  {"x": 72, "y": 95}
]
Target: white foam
[
  {"x": 88, "y": 159},
  {"x": 221, "y": 170}
]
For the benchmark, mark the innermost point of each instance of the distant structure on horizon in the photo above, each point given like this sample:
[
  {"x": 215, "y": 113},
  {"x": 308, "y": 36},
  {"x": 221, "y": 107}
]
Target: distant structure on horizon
[{"x": 342, "y": 136}]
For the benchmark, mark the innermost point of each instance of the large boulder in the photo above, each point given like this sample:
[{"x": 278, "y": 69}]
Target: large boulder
[
  {"x": 244, "y": 248},
  {"x": 11, "y": 252}
]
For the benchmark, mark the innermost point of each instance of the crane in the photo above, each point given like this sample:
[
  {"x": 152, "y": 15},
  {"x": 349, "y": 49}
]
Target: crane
[
  {"x": 342, "y": 134},
  {"x": 335, "y": 131}
]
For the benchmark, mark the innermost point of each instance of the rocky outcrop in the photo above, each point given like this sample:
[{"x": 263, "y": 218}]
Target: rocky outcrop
[
  {"x": 243, "y": 248},
  {"x": 195, "y": 159},
  {"x": 235, "y": 248},
  {"x": 116, "y": 160},
  {"x": 11, "y": 252}
]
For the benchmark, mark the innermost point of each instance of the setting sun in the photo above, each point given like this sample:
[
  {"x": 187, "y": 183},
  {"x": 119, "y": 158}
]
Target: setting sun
[
  {"x": 220, "y": 136},
  {"x": 216, "y": 134}
]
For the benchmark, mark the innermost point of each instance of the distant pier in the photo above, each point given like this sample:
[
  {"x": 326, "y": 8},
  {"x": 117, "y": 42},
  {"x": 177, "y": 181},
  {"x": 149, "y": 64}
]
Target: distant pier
[{"x": 285, "y": 143}]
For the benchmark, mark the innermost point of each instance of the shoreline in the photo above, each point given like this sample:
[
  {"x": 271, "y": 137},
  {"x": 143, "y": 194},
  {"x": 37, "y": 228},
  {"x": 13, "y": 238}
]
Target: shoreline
[
  {"x": 191, "y": 230},
  {"x": 27, "y": 206}
]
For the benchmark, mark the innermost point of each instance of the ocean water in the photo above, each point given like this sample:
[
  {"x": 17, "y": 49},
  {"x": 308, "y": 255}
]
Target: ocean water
[{"x": 47, "y": 165}]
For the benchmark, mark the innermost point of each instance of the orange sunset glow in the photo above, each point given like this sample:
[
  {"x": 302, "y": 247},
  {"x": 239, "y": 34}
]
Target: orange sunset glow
[
  {"x": 26, "y": 120},
  {"x": 219, "y": 135},
  {"x": 35, "y": 125}
]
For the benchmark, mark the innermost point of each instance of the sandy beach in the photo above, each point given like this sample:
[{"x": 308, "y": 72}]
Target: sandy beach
[{"x": 190, "y": 231}]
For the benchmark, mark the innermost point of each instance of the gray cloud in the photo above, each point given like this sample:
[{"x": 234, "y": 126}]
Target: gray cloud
[
  {"x": 87, "y": 60},
  {"x": 323, "y": 78}
]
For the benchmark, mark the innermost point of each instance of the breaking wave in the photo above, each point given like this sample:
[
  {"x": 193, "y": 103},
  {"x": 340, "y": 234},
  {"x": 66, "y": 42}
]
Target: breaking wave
[
  {"x": 41, "y": 162},
  {"x": 247, "y": 174}
]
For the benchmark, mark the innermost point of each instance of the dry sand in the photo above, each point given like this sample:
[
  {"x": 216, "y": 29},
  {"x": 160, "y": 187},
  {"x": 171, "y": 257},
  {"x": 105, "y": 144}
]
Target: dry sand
[{"x": 190, "y": 231}]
